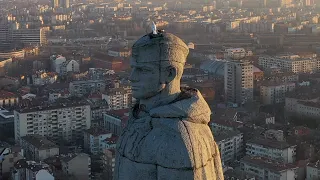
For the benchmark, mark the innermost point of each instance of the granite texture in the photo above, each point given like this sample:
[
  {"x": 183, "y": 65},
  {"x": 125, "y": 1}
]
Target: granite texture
[{"x": 167, "y": 136}]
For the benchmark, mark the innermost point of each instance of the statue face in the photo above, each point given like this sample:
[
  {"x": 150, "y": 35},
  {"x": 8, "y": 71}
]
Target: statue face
[{"x": 146, "y": 80}]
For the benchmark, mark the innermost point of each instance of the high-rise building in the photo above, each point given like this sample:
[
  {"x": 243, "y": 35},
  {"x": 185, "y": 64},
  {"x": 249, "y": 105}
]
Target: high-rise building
[
  {"x": 238, "y": 81},
  {"x": 60, "y": 3}
]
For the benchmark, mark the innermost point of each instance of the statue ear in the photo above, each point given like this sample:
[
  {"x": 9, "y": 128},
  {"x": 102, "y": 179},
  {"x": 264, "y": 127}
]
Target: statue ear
[{"x": 171, "y": 74}]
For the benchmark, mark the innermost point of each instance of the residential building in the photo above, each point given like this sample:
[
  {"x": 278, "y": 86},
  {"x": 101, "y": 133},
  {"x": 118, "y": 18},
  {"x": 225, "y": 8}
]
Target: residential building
[
  {"x": 79, "y": 88},
  {"x": 29, "y": 36},
  {"x": 114, "y": 121},
  {"x": 93, "y": 139},
  {"x": 118, "y": 98},
  {"x": 41, "y": 78},
  {"x": 78, "y": 165},
  {"x": 307, "y": 109},
  {"x": 266, "y": 169},
  {"x": 69, "y": 66},
  {"x": 238, "y": 80},
  {"x": 236, "y": 53},
  {"x": 65, "y": 120},
  {"x": 26, "y": 170},
  {"x": 38, "y": 148},
  {"x": 293, "y": 99},
  {"x": 56, "y": 63},
  {"x": 274, "y": 92},
  {"x": 271, "y": 149},
  {"x": 108, "y": 161},
  {"x": 8, "y": 98},
  {"x": 313, "y": 171},
  {"x": 291, "y": 63},
  {"x": 230, "y": 144},
  {"x": 110, "y": 142}
]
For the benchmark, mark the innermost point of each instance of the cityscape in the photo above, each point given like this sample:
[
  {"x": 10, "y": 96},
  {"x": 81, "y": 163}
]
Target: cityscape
[{"x": 65, "y": 93}]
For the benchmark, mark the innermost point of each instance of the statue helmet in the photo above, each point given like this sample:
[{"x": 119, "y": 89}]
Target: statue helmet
[{"x": 159, "y": 47}]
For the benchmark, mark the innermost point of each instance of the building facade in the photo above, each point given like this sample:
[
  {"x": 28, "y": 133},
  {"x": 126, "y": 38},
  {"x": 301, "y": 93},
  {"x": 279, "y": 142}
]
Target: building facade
[
  {"x": 238, "y": 81},
  {"x": 93, "y": 139},
  {"x": 291, "y": 63},
  {"x": 38, "y": 148},
  {"x": 66, "y": 121},
  {"x": 274, "y": 93},
  {"x": 230, "y": 145},
  {"x": 264, "y": 169},
  {"x": 78, "y": 165},
  {"x": 118, "y": 98},
  {"x": 271, "y": 149}
]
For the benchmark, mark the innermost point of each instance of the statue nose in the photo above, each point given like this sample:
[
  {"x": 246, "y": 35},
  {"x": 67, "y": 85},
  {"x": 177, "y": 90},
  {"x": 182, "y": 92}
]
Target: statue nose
[{"x": 133, "y": 77}]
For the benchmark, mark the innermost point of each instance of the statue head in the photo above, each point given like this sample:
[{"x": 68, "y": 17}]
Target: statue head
[{"x": 157, "y": 64}]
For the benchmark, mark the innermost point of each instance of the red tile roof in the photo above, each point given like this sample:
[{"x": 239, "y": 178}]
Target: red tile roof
[{"x": 6, "y": 94}]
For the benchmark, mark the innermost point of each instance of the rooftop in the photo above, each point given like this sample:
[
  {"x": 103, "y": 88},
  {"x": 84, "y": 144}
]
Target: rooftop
[
  {"x": 264, "y": 163},
  {"x": 225, "y": 134},
  {"x": 270, "y": 143},
  {"x": 39, "y": 142},
  {"x": 7, "y": 94},
  {"x": 96, "y": 131}
]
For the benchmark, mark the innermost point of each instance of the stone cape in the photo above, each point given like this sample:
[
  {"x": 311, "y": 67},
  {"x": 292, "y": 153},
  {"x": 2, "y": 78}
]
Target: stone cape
[{"x": 172, "y": 141}]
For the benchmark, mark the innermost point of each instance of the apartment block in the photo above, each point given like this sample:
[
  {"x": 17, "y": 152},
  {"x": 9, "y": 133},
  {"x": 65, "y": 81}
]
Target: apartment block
[
  {"x": 118, "y": 98},
  {"x": 60, "y": 120},
  {"x": 291, "y": 63},
  {"x": 271, "y": 149},
  {"x": 238, "y": 81},
  {"x": 38, "y": 148},
  {"x": 78, "y": 165},
  {"x": 230, "y": 145},
  {"x": 114, "y": 121},
  {"x": 274, "y": 92},
  {"x": 79, "y": 88},
  {"x": 265, "y": 169},
  {"x": 93, "y": 139}
]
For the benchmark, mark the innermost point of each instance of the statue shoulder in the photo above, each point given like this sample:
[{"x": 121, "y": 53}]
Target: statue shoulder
[{"x": 183, "y": 145}]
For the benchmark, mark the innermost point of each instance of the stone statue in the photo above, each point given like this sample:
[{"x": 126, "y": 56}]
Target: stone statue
[{"x": 167, "y": 136}]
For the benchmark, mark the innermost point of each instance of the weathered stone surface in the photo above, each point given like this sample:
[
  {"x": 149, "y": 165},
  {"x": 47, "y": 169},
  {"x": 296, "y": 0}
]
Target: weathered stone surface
[{"x": 167, "y": 136}]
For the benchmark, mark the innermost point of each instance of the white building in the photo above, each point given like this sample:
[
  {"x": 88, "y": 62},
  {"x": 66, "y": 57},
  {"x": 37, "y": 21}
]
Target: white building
[
  {"x": 271, "y": 149},
  {"x": 236, "y": 53},
  {"x": 56, "y": 62},
  {"x": 313, "y": 171},
  {"x": 238, "y": 81},
  {"x": 27, "y": 170},
  {"x": 118, "y": 98},
  {"x": 38, "y": 148},
  {"x": 274, "y": 92},
  {"x": 69, "y": 66},
  {"x": 308, "y": 109},
  {"x": 230, "y": 145},
  {"x": 264, "y": 169},
  {"x": 78, "y": 165},
  {"x": 66, "y": 120},
  {"x": 291, "y": 63},
  {"x": 93, "y": 139}
]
